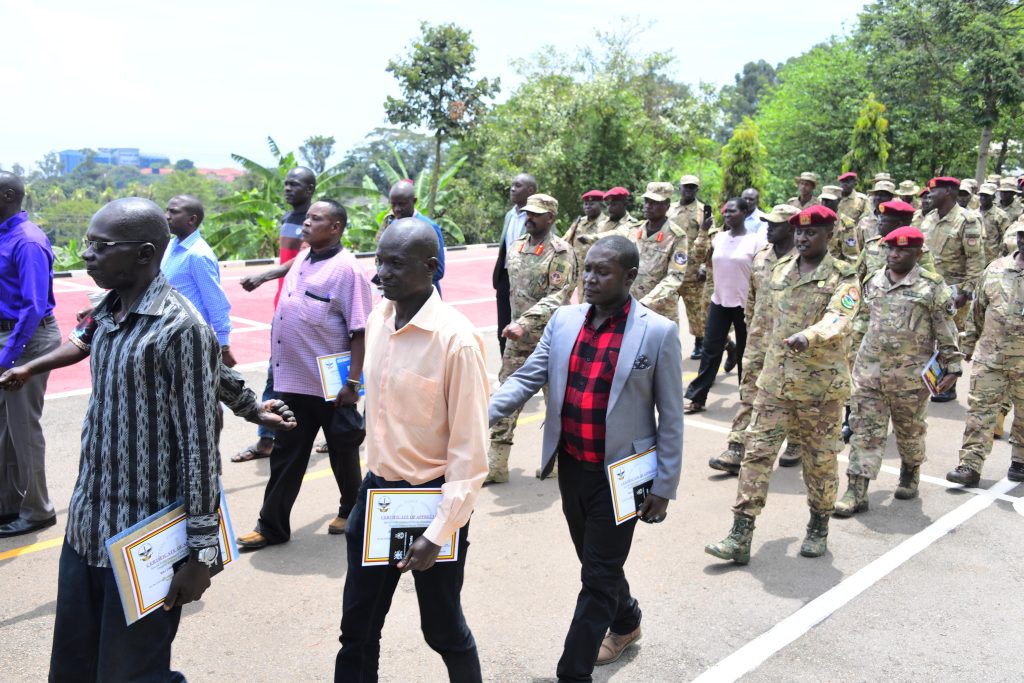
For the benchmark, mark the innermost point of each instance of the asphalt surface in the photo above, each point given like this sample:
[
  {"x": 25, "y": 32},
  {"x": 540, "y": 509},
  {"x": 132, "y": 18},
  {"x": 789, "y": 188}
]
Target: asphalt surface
[{"x": 917, "y": 590}]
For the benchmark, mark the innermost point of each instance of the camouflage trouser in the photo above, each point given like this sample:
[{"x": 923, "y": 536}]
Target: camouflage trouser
[
  {"x": 960, "y": 318},
  {"x": 515, "y": 355},
  {"x": 668, "y": 307},
  {"x": 871, "y": 410},
  {"x": 774, "y": 417},
  {"x": 692, "y": 294},
  {"x": 988, "y": 389},
  {"x": 753, "y": 361}
]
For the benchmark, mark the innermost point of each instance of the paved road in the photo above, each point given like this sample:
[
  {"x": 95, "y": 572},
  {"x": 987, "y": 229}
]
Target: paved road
[{"x": 912, "y": 591}]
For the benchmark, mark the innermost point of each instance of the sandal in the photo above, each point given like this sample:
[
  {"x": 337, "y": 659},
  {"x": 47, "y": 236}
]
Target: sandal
[
  {"x": 692, "y": 408},
  {"x": 249, "y": 454}
]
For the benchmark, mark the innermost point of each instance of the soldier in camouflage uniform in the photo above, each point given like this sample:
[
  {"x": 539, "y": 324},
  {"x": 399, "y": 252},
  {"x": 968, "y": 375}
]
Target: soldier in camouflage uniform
[
  {"x": 780, "y": 244},
  {"x": 542, "y": 274},
  {"x": 995, "y": 339},
  {"x": 908, "y": 313},
  {"x": 882, "y": 191},
  {"x": 852, "y": 204},
  {"x": 845, "y": 243},
  {"x": 908, "y": 191},
  {"x": 1009, "y": 244},
  {"x": 805, "y": 182},
  {"x": 662, "y": 246},
  {"x": 994, "y": 222},
  {"x": 954, "y": 236},
  {"x": 1009, "y": 199},
  {"x": 584, "y": 231},
  {"x": 924, "y": 208},
  {"x": 618, "y": 221},
  {"x": 804, "y": 382},
  {"x": 689, "y": 214}
]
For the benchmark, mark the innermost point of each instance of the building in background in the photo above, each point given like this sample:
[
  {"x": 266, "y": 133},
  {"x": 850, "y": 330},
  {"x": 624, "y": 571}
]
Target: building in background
[{"x": 114, "y": 156}]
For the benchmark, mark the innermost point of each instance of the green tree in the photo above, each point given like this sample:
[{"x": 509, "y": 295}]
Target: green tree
[
  {"x": 438, "y": 91},
  {"x": 316, "y": 150},
  {"x": 742, "y": 161},
  {"x": 187, "y": 182},
  {"x": 869, "y": 147},
  {"x": 184, "y": 165},
  {"x": 414, "y": 148},
  {"x": 741, "y": 99}
]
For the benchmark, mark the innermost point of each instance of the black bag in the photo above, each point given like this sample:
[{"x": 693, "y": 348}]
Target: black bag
[{"x": 347, "y": 428}]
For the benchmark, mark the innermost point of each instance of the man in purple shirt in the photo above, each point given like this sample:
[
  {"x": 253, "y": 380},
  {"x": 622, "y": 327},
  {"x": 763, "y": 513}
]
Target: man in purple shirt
[{"x": 27, "y": 330}]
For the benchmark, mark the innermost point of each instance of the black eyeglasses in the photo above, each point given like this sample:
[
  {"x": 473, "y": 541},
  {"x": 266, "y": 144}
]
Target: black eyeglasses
[{"x": 99, "y": 247}]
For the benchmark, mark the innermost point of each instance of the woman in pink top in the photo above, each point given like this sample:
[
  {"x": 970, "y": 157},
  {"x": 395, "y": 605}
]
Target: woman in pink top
[{"x": 732, "y": 253}]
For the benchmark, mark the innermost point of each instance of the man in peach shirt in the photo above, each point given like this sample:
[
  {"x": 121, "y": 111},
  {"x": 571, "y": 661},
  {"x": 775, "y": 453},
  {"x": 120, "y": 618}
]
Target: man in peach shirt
[{"x": 426, "y": 427}]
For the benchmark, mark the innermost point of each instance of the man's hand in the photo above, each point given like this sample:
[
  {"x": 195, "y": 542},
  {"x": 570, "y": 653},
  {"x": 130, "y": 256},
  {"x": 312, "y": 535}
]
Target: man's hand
[
  {"x": 422, "y": 556},
  {"x": 83, "y": 314},
  {"x": 513, "y": 331},
  {"x": 947, "y": 383},
  {"x": 797, "y": 343},
  {"x": 227, "y": 357},
  {"x": 961, "y": 299},
  {"x": 188, "y": 585},
  {"x": 654, "y": 509},
  {"x": 15, "y": 378},
  {"x": 252, "y": 282},
  {"x": 275, "y": 414},
  {"x": 348, "y": 396},
  {"x": 702, "y": 274}
]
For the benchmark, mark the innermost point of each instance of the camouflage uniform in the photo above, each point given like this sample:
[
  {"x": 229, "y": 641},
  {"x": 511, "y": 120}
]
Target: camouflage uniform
[
  {"x": 795, "y": 201},
  {"x": 845, "y": 244},
  {"x": 581, "y": 235},
  {"x": 917, "y": 220},
  {"x": 867, "y": 227},
  {"x": 995, "y": 221},
  {"x": 753, "y": 357},
  {"x": 1009, "y": 244},
  {"x": 541, "y": 279},
  {"x": 1014, "y": 210},
  {"x": 905, "y": 321},
  {"x": 872, "y": 259},
  {"x": 995, "y": 338},
  {"x": 956, "y": 244},
  {"x": 854, "y": 206},
  {"x": 689, "y": 218},
  {"x": 704, "y": 247},
  {"x": 610, "y": 226},
  {"x": 662, "y": 264},
  {"x": 801, "y": 392}
]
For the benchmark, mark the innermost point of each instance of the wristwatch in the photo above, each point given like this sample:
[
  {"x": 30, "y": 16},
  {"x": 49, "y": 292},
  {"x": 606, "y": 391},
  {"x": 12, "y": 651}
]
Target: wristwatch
[
  {"x": 354, "y": 384},
  {"x": 208, "y": 555}
]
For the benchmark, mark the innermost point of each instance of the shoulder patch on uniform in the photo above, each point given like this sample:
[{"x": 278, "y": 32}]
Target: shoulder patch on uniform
[
  {"x": 850, "y": 298},
  {"x": 851, "y": 241},
  {"x": 680, "y": 258},
  {"x": 556, "y": 277},
  {"x": 675, "y": 228},
  {"x": 843, "y": 267},
  {"x": 931, "y": 277}
]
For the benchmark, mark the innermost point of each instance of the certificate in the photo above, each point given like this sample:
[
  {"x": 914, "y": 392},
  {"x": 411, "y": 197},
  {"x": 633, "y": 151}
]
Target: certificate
[
  {"x": 400, "y": 509},
  {"x": 145, "y": 557},
  {"x": 630, "y": 480},
  {"x": 333, "y": 373}
]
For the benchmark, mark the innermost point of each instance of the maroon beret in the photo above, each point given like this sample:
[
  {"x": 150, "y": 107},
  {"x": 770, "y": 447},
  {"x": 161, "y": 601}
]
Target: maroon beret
[
  {"x": 944, "y": 181},
  {"x": 617, "y": 193},
  {"x": 814, "y": 215},
  {"x": 897, "y": 208},
  {"x": 848, "y": 174},
  {"x": 593, "y": 194},
  {"x": 906, "y": 236}
]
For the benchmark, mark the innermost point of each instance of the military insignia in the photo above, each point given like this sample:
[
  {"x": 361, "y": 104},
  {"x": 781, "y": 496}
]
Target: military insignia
[
  {"x": 679, "y": 258},
  {"x": 850, "y": 299},
  {"x": 556, "y": 277},
  {"x": 950, "y": 307},
  {"x": 851, "y": 241},
  {"x": 805, "y": 219},
  {"x": 972, "y": 241}
]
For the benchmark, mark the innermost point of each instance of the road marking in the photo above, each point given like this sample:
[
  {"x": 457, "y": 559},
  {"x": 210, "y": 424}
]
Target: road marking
[
  {"x": 757, "y": 651},
  {"x": 29, "y": 549}
]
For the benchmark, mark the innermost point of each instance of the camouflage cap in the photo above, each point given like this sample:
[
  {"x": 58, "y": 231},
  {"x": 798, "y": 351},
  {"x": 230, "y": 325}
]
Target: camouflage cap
[
  {"x": 659, "y": 192},
  {"x": 881, "y": 176},
  {"x": 993, "y": 178},
  {"x": 809, "y": 177},
  {"x": 966, "y": 186},
  {"x": 1007, "y": 185},
  {"x": 541, "y": 203},
  {"x": 883, "y": 186},
  {"x": 907, "y": 188},
  {"x": 988, "y": 189},
  {"x": 689, "y": 180},
  {"x": 780, "y": 213},
  {"x": 833, "y": 192}
]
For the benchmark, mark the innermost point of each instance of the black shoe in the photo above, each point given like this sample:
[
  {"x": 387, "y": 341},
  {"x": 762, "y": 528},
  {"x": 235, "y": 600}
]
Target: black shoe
[
  {"x": 1016, "y": 471},
  {"x": 22, "y": 526},
  {"x": 847, "y": 432},
  {"x": 964, "y": 475},
  {"x": 730, "y": 355},
  {"x": 7, "y": 519},
  {"x": 945, "y": 397},
  {"x": 698, "y": 348}
]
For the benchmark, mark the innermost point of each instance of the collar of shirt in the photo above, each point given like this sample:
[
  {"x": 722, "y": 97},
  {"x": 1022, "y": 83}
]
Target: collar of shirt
[
  {"x": 908, "y": 280},
  {"x": 150, "y": 303},
  {"x": 612, "y": 319},
  {"x": 316, "y": 256},
  {"x": 14, "y": 221},
  {"x": 186, "y": 243},
  {"x": 425, "y": 318},
  {"x": 820, "y": 273}
]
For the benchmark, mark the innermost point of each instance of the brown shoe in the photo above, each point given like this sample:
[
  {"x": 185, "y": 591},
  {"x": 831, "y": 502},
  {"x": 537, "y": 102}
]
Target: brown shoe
[
  {"x": 337, "y": 526},
  {"x": 253, "y": 541},
  {"x": 614, "y": 645}
]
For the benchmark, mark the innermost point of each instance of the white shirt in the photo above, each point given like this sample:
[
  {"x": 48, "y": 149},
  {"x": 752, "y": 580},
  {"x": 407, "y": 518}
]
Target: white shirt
[
  {"x": 733, "y": 259},
  {"x": 753, "y": 223},
  {"x": 515, "y": 230}
]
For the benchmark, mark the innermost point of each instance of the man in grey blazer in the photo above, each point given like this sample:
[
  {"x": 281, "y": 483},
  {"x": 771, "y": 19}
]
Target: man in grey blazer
[
  {"x": 610, "y": 365},
  {"x": 523, "y": 185}
]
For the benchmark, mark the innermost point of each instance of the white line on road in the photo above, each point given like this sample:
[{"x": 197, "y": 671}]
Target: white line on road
[{"x": 757, "y": 651}]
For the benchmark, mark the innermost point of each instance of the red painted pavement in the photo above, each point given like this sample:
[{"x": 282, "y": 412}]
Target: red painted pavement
[{"x": 466, "y": 284}]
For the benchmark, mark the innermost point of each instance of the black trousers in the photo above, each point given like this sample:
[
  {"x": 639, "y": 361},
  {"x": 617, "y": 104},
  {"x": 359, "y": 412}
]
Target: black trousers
[
  {"x": 290, "y": 457},
  {"x": 604, "y": 602},
  {"x": 503, "y": 296},
  {"x": 367, "y": 599},
  {"x": 716, "y": 332},
  {"x": 90, "y": 639}
]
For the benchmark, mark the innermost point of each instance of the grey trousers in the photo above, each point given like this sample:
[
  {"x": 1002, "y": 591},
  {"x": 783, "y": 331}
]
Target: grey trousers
[{"x": 22, "y": 446}]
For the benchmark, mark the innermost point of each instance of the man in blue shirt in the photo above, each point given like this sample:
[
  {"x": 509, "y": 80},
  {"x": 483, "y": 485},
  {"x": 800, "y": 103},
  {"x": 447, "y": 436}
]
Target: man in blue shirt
[
  {"x": 402, "y": 198},
  {"x": 27, "y": 330},
  {"x": 191, "y": 267}
]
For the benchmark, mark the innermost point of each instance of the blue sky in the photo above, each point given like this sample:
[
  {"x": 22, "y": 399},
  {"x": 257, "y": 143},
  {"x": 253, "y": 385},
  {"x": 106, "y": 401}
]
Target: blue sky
[{"x": 204, "y": 79}]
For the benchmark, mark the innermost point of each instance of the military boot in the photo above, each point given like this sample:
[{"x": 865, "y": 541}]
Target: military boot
[
  {"x": 735, "y": 546},
  {"x": 997, "y": 432},
  {"x": 698, "y": 348},
  {"x": 910, "y": 477},
  {"x": 964, "y": 474},
  {"x": 816, "y": 542},
  {"x": 729, "y": 460},
  {"x": 1016, "y": 471},
  {"x": 497, "y": 463},
  {"x": 855, "y": 499},
  {"x": 791, "y": 456}
]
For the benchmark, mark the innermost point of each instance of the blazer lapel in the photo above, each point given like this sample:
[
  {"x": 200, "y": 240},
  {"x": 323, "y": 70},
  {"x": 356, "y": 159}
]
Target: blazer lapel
[{"x": 632, "y": 340}]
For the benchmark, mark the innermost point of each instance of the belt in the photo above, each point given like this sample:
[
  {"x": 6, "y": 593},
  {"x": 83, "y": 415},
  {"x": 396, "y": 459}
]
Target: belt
[{"x": 8, "y": 325}]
